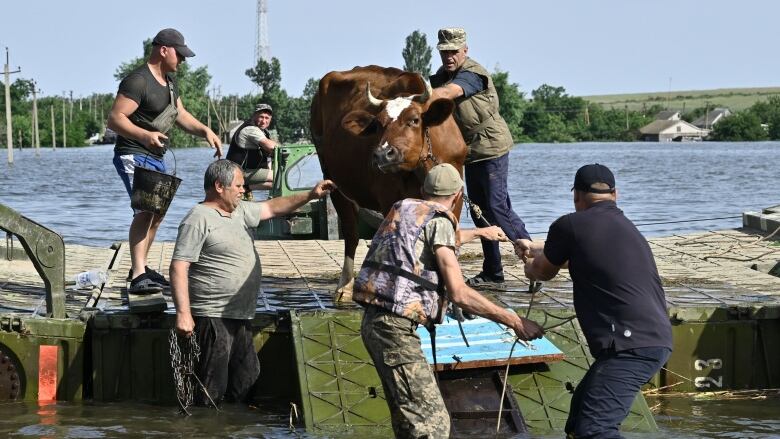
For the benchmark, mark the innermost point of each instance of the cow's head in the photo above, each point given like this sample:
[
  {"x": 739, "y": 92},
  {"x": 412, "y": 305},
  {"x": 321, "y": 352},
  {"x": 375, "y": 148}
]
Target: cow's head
[{"x": 403, "y": 124}]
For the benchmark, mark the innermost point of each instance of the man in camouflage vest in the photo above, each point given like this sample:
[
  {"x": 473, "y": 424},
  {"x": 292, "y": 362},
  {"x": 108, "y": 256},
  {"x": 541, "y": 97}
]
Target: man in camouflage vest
[
  {"x": 401, "y": 285},
  {"x": 463, "y": 80}
]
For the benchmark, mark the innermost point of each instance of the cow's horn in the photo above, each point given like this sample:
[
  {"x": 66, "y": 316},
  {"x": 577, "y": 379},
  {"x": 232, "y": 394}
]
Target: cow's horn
[
  {"x": 374, "y": 101},
  {"x": 423, "y": 98}
]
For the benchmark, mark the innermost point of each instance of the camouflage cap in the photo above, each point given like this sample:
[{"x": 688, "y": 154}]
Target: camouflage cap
[
  {"x": 263, "y": 107},
  {"x": 442, "y": 180},
  {"x": 451, "y": 38}
]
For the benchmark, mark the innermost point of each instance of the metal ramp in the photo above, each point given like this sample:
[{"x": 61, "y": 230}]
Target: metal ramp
[{"x": 340, "y": 392}]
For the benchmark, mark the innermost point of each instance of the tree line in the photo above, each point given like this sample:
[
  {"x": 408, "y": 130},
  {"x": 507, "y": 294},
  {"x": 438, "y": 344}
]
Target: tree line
[{"x": 548, "y": 114}]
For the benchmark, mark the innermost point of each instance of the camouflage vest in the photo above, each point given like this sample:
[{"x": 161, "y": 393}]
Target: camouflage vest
[
  {"x": 392, "y": 277},
  {"x": 484, "y": 130}
]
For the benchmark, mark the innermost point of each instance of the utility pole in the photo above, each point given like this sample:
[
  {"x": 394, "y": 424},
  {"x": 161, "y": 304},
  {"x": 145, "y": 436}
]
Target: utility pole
[
  {"x": 70, "y": 102},
  {"x": 53, "y": 129},
  {"x": 64, "y": 128},
  {"x": 627, "y": 118},
  {"x": 36, "y": 132},
  {"x": 9, "y": 137}
]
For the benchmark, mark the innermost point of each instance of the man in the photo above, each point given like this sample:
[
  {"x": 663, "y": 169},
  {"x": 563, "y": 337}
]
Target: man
[
  {"x": 618, "y": 299},
  {"x": 401, "y": 285},
  {"x": 215, "y": 278},
  {"x": 476, "y": 112},
  {"x": 251, "y": 146},
  {"x": 146, "y": 107}
]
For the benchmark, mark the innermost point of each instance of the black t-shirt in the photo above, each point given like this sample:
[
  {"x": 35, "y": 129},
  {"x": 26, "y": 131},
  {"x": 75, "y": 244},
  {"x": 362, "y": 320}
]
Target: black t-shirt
[
  {"x": 618, "y": 295},
  {"x": 151, "y": 97}
]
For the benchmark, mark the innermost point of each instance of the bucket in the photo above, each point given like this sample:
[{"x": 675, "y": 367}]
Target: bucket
[{"x": 153, "y": 191}]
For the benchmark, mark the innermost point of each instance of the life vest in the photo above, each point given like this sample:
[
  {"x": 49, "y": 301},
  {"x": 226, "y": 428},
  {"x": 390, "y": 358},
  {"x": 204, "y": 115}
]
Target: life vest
[
  {"x": 392, "y": 277},
  {"x": 245, "y": 157}
]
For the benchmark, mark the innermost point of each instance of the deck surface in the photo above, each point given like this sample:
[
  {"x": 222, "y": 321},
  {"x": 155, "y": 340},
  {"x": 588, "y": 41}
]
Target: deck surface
[{"x": 705, "y": 269}]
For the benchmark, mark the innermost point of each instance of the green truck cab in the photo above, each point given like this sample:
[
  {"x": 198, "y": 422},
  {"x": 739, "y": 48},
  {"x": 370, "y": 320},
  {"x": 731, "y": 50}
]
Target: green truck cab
[{"x": 297, "y": 169}]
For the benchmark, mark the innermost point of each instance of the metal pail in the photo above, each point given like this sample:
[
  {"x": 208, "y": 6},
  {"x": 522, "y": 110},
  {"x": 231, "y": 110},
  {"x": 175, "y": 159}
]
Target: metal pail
[{"x": 153, "y": 191}]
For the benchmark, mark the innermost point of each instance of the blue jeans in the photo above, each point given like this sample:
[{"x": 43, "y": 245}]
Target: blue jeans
[
  {"x": 125, "y": 166},
  {"x": 603, "y": 398},
  {"x": 486, "y": 183}
]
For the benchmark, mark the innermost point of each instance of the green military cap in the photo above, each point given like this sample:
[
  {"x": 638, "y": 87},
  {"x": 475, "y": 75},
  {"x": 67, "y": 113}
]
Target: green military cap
[
  {"x": 442, "y": 180},
  {"x": 451, "y": 38}
]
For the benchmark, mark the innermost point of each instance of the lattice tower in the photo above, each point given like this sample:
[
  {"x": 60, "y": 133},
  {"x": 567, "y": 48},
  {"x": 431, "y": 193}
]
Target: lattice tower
[{"x": 262, "y": 46}]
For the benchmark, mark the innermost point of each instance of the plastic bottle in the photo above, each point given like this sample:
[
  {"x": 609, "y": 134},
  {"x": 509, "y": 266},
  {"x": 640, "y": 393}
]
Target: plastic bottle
[{"x": 90, "y": 279}]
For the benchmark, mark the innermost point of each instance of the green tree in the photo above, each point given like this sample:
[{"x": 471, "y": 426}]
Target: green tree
[
  {"x": 417, "y": 54},
  {"x": 743, "y": 126},
  {"x": 267, "y": 75},
  {"x": 511, "y": 102},
  {"x": 125, "y": 68}
]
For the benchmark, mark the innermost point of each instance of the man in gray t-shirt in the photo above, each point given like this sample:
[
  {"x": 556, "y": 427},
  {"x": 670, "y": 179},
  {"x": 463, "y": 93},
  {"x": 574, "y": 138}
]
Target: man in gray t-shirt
[{"x": 215, "y": 278}]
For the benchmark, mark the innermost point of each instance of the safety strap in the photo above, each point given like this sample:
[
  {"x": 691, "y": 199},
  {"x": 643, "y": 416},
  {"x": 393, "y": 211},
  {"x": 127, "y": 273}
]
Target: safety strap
[
  {"x": 432, "y": 332},
  {"x": 397, "y": 270}
]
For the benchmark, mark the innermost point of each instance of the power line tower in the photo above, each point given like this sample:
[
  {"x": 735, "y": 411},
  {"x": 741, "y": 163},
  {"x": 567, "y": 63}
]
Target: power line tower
[{"x": 262, "y": 46}]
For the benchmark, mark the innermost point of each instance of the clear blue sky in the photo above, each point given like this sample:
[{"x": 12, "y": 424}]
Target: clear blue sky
[{"x": 588, "y": 47}]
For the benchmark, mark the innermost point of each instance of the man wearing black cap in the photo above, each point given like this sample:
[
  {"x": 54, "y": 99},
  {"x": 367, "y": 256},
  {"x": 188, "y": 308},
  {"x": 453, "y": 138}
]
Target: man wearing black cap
[
  {"x": 145, "y": 109},
  {"x": 251, "y": 146},
  {"x": 618, "y": 299}
]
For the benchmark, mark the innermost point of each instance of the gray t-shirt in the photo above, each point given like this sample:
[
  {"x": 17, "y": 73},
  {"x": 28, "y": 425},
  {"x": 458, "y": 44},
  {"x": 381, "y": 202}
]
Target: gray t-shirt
[
  {"x": 225, "y": 272},
  {"x": 249, "y": 137}
]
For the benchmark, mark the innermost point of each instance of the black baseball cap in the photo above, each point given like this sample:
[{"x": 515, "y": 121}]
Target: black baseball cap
[
  {"x": 173, "y": 38},
  {"x": 589, "y": 175}
]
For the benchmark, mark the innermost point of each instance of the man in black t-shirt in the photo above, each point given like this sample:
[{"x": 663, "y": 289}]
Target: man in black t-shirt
[
  {"x": 618, "y": 299},
  {"x": 146, "y": 107}
]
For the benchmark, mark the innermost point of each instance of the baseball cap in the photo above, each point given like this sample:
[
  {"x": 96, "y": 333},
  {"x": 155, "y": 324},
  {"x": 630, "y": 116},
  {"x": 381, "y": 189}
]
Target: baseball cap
[
  {"x": 263, "y": 107},
  {"x": 173, "y": 38},
  {"x": 451, "y": 38},
  {"x": 442, "y": 180},
  {"x": 589, "y": 175}
]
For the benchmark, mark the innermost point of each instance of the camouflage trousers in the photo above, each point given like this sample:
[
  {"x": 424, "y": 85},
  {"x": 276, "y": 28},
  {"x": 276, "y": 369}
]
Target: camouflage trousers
[{"x": 416, "y": 407}]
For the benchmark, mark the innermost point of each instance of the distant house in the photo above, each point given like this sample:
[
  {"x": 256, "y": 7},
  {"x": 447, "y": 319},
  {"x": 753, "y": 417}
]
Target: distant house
[
  {"x": 710, "y": 119},
  {"x": 671, "y": 131},
  {"x": 668, "y": 115}
]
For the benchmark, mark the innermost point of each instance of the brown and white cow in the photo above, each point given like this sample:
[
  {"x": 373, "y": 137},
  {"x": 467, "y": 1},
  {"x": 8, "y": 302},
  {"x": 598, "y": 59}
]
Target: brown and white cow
[{"x": 377, "y": 135}]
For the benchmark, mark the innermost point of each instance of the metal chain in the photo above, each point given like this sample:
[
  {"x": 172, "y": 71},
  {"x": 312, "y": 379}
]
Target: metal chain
[{"x": 184, "y": 356}]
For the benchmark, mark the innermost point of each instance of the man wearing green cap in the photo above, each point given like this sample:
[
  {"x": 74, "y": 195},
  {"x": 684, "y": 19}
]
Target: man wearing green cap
[
  {"x": 410, "y": 272},
  {"x": 463, "y": 80},
  {"x": 251, "y": 146}
]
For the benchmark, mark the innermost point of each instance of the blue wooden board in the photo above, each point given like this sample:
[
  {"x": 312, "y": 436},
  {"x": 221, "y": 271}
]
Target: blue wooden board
[{"x": 489, "y": 345}]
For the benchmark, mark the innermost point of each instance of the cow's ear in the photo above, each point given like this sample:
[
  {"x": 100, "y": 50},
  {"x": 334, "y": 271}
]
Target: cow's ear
[
  {"x": 438, "y": 111},
  {"x": 359, "y": 122}
]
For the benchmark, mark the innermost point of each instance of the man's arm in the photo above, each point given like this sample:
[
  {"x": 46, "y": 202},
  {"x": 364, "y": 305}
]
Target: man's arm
[
  {"x": 119, "y": 122},
  {"x": 284, "y": 205},
  {"x": 181, "y": 296},
  {"x": 193, "y": 126},
  {"x": 449, "y": 91},
  {"x": 540, "y": 268},
  {"x": 492, "y": 233},
  {"x": 474, "y": 303}
]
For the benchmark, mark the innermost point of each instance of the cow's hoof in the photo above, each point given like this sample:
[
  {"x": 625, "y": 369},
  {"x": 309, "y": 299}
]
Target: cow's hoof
[
  {"x": 344, "y": 293},
  {"x": 343, "y": 296}
]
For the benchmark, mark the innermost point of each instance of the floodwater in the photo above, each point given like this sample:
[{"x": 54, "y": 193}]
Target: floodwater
[
  {"x": 677, "y": 417},
  {"x": 77, "y": 193}
]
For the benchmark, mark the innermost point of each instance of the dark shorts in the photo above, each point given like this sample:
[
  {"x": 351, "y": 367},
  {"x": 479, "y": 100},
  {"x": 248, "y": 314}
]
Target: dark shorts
[
  {"x": 604, "y": 397},
  {"x": 228, "y": 365}
]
